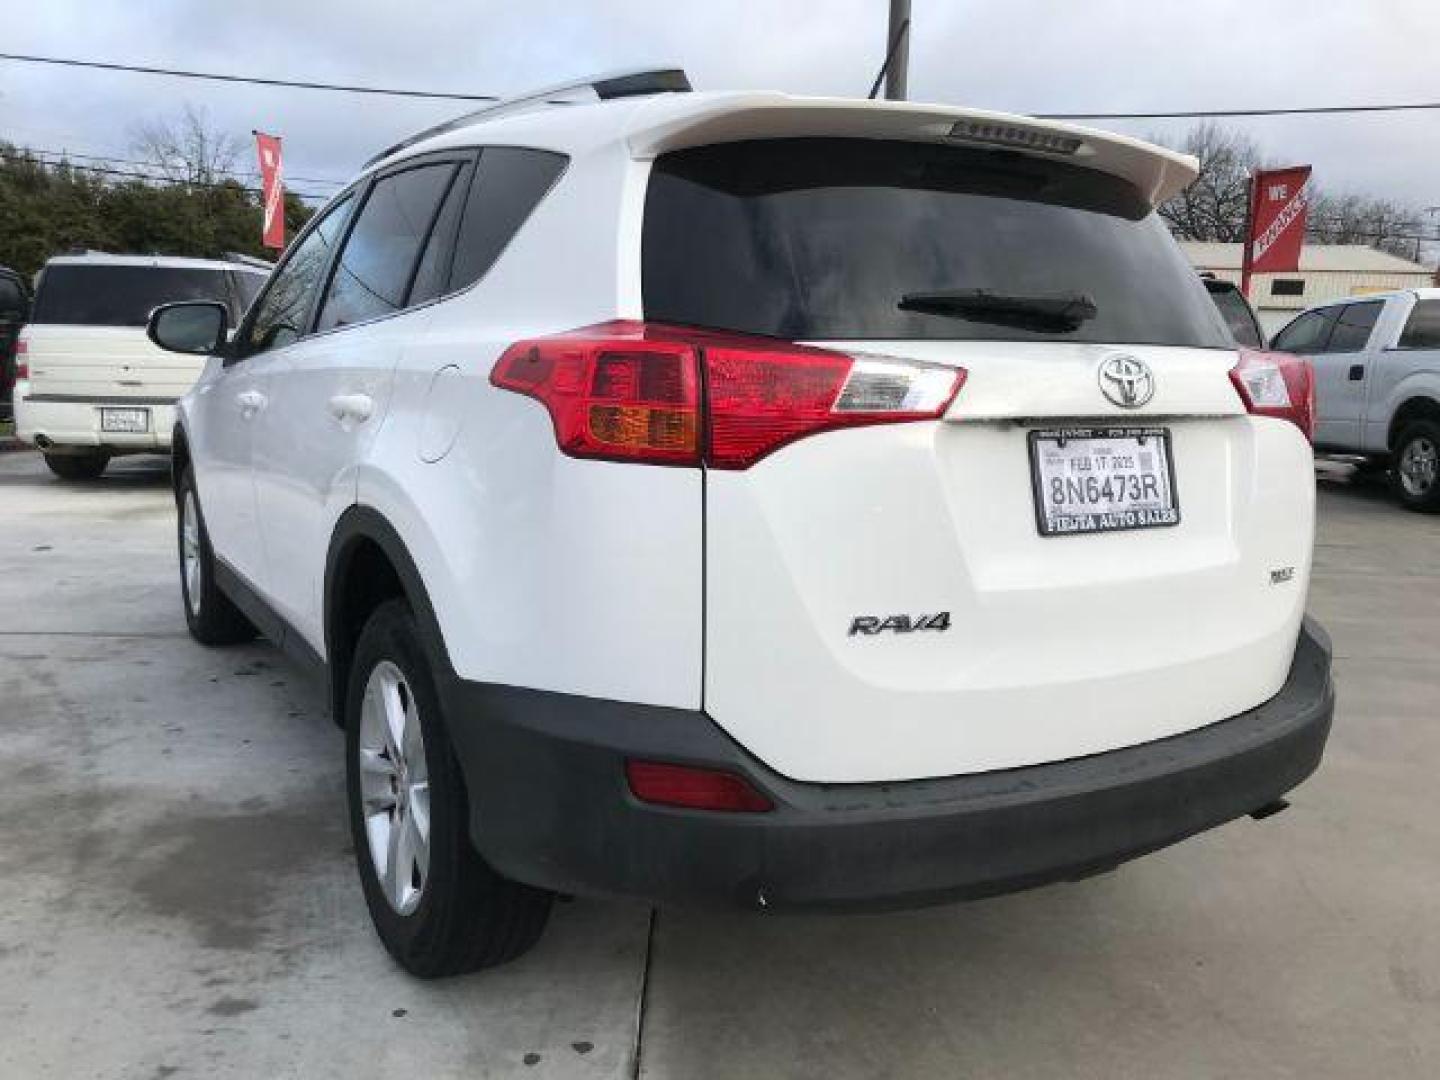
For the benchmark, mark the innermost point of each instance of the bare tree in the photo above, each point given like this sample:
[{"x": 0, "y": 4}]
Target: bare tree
[
  {"x": 186, "y": 149},
  {"x": 1357, "y": 219},
  {"x": 1213, "y": 207}
]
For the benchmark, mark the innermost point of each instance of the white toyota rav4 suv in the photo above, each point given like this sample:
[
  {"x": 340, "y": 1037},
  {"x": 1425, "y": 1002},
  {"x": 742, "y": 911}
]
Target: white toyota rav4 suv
[{"x": 774, "y": 501}]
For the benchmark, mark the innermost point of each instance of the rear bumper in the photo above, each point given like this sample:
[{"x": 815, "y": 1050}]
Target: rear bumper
[
  {"x": 66, "y": 422},
  {"x": 550, "y": 805}
]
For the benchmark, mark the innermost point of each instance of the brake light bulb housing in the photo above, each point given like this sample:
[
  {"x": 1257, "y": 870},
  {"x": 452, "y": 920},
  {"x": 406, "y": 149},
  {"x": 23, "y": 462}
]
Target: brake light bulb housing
[
  {"x": 1277, "y": 385},
  {"x": 632, "y": 391}
]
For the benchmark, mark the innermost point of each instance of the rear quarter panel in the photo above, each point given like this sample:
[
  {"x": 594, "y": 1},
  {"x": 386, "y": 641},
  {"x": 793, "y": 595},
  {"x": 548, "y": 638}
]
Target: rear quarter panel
[{"x": 544, "y": 571}]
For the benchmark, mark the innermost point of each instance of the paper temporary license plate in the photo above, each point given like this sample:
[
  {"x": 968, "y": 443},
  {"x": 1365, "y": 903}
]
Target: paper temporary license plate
[
  {"x": 129, "y": 421},
  {"x": 1090, "y": 480}
]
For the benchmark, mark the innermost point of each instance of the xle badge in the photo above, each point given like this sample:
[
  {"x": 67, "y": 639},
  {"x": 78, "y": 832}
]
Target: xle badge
[{"x": 899, "y": 624}]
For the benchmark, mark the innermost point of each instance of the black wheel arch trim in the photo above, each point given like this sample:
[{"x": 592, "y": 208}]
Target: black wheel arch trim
[{"x": 357, "y": 526}]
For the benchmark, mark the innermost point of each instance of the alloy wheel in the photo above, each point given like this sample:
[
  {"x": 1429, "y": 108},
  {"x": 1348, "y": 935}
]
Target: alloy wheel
[
  {"x": 394, "y": 787},
  {"x": 190, "y": 551},
  {"x": 1419, "y": 466}
]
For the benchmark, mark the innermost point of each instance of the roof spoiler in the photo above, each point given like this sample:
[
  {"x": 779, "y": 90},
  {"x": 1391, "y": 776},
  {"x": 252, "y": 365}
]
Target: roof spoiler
[{"x": 615, "y": 84}]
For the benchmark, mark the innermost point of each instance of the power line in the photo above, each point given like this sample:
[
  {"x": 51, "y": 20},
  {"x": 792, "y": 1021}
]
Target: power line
[
  {"x": 66, "y": 155},
  {"x": 163, "y": 179},
  {"x": 256, "y": 80},
  {"x": 1201, "y": 114},
  {"x": 1178, "y": 114}
]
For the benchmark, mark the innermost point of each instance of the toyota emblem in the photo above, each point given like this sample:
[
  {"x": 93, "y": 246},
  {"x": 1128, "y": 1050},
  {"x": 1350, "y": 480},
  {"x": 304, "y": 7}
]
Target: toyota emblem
[{"x": 1127, "y": 381}]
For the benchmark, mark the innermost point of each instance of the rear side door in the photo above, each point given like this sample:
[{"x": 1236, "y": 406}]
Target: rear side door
[
  {"x": 330, "y": 390},
  {"x": 1309, "y": 335},
  {"x": 228, "y": 406},
  {"x": 1343, "y": 372},
  {"x": 1414, "y": 327}
]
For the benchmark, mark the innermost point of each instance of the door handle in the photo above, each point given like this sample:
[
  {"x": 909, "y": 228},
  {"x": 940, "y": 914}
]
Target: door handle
[
  {"x": 1357, "y": 372},
  {"x": 356, "y": 407},
  {"x": 250, "y": 402}
]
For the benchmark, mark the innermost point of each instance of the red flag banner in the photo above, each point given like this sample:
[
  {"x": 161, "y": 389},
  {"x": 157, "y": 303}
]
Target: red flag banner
[
  {"x": 272, "y": 187},
  {"x": 1277, "y": 219}
]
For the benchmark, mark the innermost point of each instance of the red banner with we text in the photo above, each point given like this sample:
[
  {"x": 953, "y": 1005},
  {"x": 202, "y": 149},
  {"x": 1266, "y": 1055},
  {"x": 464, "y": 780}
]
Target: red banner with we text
[
  {"x": 272, "y": 189},
  {"x": 1280, "y": 198}
]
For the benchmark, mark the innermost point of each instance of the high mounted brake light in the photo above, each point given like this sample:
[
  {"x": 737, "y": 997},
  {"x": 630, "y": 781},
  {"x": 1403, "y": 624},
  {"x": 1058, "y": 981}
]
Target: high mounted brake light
[
  {"x": 1278, "y": 385},
  {"x": 993, "y": 133},
  {"x": 631, "y": 391}
]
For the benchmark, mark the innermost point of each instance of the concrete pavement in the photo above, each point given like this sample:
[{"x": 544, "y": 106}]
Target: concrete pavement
[{"x": 177, "y": 895}]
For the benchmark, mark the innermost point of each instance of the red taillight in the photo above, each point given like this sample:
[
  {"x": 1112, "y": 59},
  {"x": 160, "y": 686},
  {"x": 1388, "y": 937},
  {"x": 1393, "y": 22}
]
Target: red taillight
[
  {"x": 1278, "y": 385},
  {"x": 611, "y": 396},
  {"x": 22, "y": 366},
  {"x": 631, "y": 391},
  {"x": 694, "y": 789}
]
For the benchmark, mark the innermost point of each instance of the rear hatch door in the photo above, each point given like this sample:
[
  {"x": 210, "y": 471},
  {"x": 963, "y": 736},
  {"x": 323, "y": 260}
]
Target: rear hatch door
[
  {"x": 86, "y": 340},
  {"x": 979, "y": 592}
]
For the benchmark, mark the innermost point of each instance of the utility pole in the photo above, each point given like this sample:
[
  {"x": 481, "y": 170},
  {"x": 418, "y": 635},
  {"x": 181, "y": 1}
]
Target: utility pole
[
  {"x": 1246, "y": 247},
  {"x": 898, "y": 43}
]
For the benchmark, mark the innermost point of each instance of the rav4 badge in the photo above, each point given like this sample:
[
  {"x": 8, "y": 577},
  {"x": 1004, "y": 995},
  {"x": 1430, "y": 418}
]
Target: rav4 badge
[{"x": 899, "y": 624}]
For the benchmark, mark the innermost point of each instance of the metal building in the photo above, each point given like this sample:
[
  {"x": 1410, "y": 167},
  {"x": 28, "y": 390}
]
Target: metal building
[{"x": 1327, "y": 272}]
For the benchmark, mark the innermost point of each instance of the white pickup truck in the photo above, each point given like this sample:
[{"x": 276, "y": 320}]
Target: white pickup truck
[{"x": 1377, "y": 384}]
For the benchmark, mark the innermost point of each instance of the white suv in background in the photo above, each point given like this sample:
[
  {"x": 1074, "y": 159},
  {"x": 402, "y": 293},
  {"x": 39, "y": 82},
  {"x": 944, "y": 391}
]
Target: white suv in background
[
  {"x": 739, "y": 498},
  {"x": 90, "y": 386}
]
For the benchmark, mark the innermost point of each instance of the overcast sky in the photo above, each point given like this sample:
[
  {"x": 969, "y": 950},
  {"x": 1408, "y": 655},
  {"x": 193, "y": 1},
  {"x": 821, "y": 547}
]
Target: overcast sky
[{"x": 1025, "y": 55}]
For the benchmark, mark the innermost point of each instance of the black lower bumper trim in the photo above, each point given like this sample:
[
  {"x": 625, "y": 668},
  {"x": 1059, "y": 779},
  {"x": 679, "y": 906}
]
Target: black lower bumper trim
[{"x": 550, "y": 806}]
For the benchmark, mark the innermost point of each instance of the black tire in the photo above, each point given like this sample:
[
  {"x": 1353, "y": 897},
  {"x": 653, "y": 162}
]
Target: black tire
[
  {"x": 212, "y": 617},
  {"x": 1417, "y": 485},
  {"x": 86, "y": 466},
  {"x": 468, "y": 916}
]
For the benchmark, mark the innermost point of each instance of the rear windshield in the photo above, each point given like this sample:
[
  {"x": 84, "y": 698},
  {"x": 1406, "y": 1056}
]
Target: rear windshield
[
  {"x": 121, "y": 295},
  {"x": 823, "y": 239}
]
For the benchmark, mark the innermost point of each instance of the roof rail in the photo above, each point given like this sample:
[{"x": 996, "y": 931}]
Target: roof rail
[
  {"x": 247, "y": 260},
  {"x": 614, "y": 84}
]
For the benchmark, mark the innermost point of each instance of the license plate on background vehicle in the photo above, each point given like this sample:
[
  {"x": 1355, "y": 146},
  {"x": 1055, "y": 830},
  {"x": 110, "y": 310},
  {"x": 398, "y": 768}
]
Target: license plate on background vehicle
[
  {"x": 129, "y": 421},
  {"x": 1102, "y": 479}
]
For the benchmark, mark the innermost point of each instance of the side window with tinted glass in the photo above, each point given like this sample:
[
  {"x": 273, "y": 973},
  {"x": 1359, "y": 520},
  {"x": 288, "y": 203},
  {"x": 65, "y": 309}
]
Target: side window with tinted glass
[
  {"x": 1422, "y": 329},
  {"x": 1352, "y": 328},
  {"x": 509, "y": 183},
  {"x": 1308, "y": 334},
  {"x": 280, "y": 317},
  {"x": 433, "y": 274},
  {"x": 372, "y": 275}
]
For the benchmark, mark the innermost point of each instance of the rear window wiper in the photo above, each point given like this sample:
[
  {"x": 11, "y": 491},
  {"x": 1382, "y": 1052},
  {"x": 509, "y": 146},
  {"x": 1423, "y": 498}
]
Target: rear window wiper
[{"x": 1052, "y": 312}]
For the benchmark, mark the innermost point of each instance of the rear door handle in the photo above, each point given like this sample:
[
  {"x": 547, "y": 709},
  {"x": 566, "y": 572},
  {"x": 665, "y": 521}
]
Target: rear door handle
[
  {"x": 1357, "y": 372},
  {"x": 356, "y": 407},
  {"x": 250, "y": 402}
]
